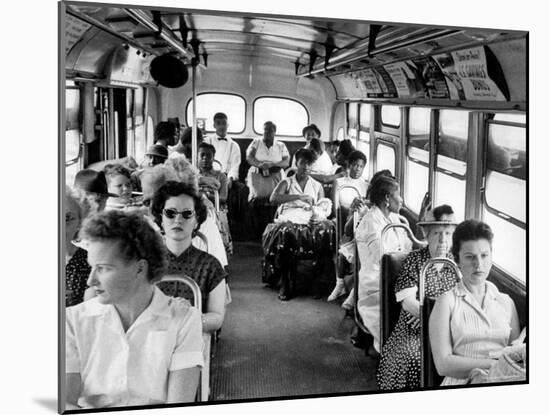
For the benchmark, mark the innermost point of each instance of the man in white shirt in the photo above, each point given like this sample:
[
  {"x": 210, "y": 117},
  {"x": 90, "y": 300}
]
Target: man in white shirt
[
  {"x": 228, "y": 152},
  {"x": 130, "y": 344}
]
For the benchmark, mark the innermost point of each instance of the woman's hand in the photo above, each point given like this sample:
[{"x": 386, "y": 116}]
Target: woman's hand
[
  {"x": 412, "y": 306},
  {"x": 306, "y": 198},
  {"x": 413, "y": 321},
  {"x": 357, "y": 204}
]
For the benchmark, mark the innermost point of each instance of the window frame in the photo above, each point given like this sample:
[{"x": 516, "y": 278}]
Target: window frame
[
  {"x": 437, "y": 154},
  {"x": 486, "y": 205},
  {"x": 208, "y": 131},
  {"x": 390, "y": 128},
  {"x": 382, "y": 140},
  {"x": 277, "y": 97},
  {"x": 80, "y": 143}
]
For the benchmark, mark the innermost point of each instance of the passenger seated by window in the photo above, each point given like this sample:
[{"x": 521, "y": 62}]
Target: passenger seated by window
[
  {"x": 119, "y": 183},
  {"x": 301, "y": 226},
  {"x": 267, "y": 157},
  {"x": 91, "y": 187},
  {"x": 228, "y": 152},
  {"x": 156, "y": 154},
  {"x": 386, "y": 200},
  {"x": 179, "y": 211},
  {"x": 210, "y": 181},
  {"x": 400, "y": 361},
  {"x": 323, "y": 164},
  {"x": 131, "y": 344},
  {"x": 471, "y": 325},
  {"x": 349, "y": 201},
  {"x": 344, "y": 150},
  {"x": 185, "y": 146}
]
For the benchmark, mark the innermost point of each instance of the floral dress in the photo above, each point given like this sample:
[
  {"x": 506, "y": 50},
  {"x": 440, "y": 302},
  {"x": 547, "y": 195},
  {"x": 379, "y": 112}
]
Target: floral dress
[{"x": 400, "y": 361}]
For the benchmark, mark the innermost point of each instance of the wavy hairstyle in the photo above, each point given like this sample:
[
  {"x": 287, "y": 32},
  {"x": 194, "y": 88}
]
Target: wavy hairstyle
[
  {"x": 470, "y": 230},
  {"x": 135, "y": 237},
  {"x": 381, "y": 188},
  {"x": 175, "y": 189}
]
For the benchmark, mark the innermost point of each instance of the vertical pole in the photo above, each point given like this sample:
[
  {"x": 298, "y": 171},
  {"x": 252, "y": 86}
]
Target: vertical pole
[{"x": 194, "y": 135}]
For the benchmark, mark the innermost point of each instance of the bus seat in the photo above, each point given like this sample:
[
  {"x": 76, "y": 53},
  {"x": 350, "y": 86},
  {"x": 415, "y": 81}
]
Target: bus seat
[
  {"x": 182, "y": 286},
  {"x": 390, "y": 266},
  {"x": 128, "y": 162},
  {"x": 429, "y": 372}
]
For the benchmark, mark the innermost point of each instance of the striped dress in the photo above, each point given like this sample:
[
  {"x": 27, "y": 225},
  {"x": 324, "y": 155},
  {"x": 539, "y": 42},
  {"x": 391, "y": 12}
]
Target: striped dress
[{"x": 477, "y": 332}]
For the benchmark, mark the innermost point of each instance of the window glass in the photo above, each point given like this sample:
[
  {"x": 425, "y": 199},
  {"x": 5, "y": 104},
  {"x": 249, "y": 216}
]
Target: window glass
[
  {"x": 72, "y": 145},
  {"x": 391, "y": 115},
  {"x": 72, "y": 108},
  {"x": 451, "y": 191},
  {"x": 385, "y": 158},
  {"x": 509, "y": 245},
  {"x": 140, "y": 143},
  {"x": 506, "y": 194},
  {"x": 150, "y": 131},
  {"x": 507, "y": 150},
  {"x": 209, "y": 104},
  {"x": 70, "y": 173},
  {"x": 419, "y": 127},
  {"x": 340, "y": 134},
  {"x": 139, "y": 99},
  {"x": 353, "y": 107},
  {"x": 289, "y": 116},
  {"x": 517, "y": 118},
  {"x": 416, "y": 185},
  {"x": 452, "y": 140},
  {"x": 364, "y": 116}
]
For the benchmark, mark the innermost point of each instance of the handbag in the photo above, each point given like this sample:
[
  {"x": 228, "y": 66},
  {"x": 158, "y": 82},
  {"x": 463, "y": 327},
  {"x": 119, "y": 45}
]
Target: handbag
[{"x": 510, "y": 367}]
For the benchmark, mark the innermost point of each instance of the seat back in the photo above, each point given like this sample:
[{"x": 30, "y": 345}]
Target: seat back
[
  {"x": 428, "y": 373},
  {"x": 390, "y": 308}
]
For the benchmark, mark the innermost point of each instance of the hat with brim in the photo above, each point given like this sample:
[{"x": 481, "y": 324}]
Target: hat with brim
[
  {"x": 430, "y": 220},
  {"x": 92, "y": 181},
  {"x": 157, "y": 150}
]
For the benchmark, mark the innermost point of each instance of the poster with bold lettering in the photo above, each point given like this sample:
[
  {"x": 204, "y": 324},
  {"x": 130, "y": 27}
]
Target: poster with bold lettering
[
  {"x": 467, "y": 75},
  {"x": 432, "y": 77},
  {"x": 378, "y": 83},
  {"x": 407, "y": 84}
]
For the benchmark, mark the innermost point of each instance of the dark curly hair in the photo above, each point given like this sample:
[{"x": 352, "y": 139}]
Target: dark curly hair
[
  {"x": 175, "y": 189},
  {"x": 136, "y": 238},
  {"x": 316, "y": 146},
  {"x": 356, "y": 155},
  {"x": 377, "y": 176},
  {"x": 470, "y": 230},
  {"x": 165, "y": 131},
  {"x": 313, "y": 128},
  {"x": 381, "y": 188},
  {"x": 308, "y": 155}
]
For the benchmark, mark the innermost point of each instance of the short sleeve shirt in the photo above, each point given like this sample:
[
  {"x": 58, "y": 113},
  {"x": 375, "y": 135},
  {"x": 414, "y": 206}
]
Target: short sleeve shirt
[
  {"x": 273, "y": 154},
  {"x": 202, "y": 267},
  {"x": 120, "y": 368}
]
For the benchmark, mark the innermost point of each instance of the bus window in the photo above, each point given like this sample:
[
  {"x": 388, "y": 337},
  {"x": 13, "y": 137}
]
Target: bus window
[
  {"x": 385, "y": 158},
  {"x": 130, "y": 131},
  {"x": 150, "y": 131},
  {"x": 289, "y": 116},
  {"x": 363, "y": 145},
  {"x": 417, "y": 163},
  {"x": 450, "y": 180},
  {"x": 340, "y": 134},
  {"x": 140, "y": 141},
  {"x": 505, "y": 175},
  {"x": 72, "y": 134},
  {"x": 391, "y": 116},
  {"x": 209, "y": 104},
  {"x": 364, "y": 116},
  {"x": 353, "y": 122}
]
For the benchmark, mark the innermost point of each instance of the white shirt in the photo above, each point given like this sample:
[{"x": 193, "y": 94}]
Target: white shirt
[
  {"x": 228, "y": 154},
  {"x": 322, "y": 165},
  {"x": 274, "y": 154},
  {"x": 120, "y": 368}
]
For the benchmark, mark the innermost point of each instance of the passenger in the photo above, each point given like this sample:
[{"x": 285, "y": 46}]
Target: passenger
[
  {"x": 211, "y": 181},
  {"x": 179, "y": 211},
  {"x": 228, "y": 152},
  {"x": 386, "y": 200},
  {"x": 185, "y": 147},
  {"x": 267, "y": 157},
  {"x": 131, "y": 344},
  {"x": 310, "y": 132},
  {"x": 400, "y": 361},
  {"x": 74, "y": 215},
  {"x": 92, "y": 188},
  {"x": 156, "y": 154},
  {"x": 344, "y": 150},
  {"x": 332, "y": 149},
  {"x": 179, "y": 169},
  {"x": 471, "y": 324},
  {"x": 166, "y": 134},
  {"x": 357, "y": 162},
  {"x": 119, "y": 183},
  {"x": 301, "y": 230}
]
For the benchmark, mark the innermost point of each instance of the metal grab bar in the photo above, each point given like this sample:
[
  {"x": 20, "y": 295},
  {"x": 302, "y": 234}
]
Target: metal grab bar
[
  {"x": 425, "y": 352},
  {"x": 190, "y": 282}
]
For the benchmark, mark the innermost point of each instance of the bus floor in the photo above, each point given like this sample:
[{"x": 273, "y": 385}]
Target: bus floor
[{"x": 268, "y": 348}]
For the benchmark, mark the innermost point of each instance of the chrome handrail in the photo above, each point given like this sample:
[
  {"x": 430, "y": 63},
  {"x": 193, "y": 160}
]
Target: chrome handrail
[{"x": 190, "y": 282}]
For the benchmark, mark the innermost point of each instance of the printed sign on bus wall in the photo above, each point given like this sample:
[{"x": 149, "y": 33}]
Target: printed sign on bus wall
[
  {"x": 432, "y": 77},
  {"x": 379, "y": 83},
  {"x": 467, "y": 75},
  {"x": 407, "y": 83}
]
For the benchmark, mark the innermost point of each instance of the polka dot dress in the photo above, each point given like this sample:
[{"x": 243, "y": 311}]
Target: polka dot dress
[
  {"x": 400, "y": 361},
  {"x": 77, "y": 272}
]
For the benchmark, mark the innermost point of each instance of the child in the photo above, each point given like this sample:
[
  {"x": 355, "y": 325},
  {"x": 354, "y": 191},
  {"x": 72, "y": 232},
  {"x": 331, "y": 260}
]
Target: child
[{"x": 118, "y": 183}]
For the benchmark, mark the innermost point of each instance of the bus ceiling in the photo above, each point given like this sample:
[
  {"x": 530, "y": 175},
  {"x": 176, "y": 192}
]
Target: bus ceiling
[{"x": 401, "y": 63}]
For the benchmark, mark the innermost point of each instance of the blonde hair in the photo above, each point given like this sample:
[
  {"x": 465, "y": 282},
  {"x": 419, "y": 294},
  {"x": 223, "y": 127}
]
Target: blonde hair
[{"x": 184, "y": 171}]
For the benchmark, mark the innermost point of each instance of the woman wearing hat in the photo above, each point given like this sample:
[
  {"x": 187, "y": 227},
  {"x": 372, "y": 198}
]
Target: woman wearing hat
[
  {"x": 156, "y": 154},
  {"x": 400, "y": 362}
]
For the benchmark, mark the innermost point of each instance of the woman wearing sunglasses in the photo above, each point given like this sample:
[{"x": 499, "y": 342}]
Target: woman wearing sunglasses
[{"x": 179, "y": 211}]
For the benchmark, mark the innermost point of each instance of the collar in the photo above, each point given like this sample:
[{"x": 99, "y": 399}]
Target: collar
[{"x": 491, "y": 293}]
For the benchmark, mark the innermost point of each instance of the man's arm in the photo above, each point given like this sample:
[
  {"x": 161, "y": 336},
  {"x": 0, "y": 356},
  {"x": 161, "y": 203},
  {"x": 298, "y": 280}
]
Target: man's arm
[{"x": 234, "y": 162}]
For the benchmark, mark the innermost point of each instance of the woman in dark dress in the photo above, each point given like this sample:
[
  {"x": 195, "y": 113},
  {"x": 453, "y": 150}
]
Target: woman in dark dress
[
  {"x": 400, "y": 361},
  {"x": 179, "y": 211}
]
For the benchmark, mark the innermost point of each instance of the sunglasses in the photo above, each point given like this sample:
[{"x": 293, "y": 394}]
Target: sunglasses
[{"x": 172, "y": 213}]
